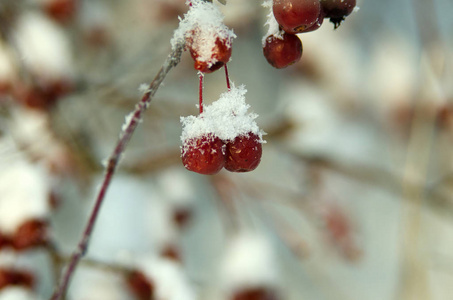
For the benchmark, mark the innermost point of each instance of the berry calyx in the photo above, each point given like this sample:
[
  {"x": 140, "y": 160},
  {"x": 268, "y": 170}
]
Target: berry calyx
[
  {"x": 337, "y": 10},
  {"x": 243, "y": 154},
  {"x": 294, "y": 16},
  {"x": 203, "y": 155},
  {"x": 281, "y": 53}
]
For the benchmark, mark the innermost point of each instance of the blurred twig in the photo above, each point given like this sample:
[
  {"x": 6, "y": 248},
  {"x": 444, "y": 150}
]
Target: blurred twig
[{"x": 125, "y": 136}]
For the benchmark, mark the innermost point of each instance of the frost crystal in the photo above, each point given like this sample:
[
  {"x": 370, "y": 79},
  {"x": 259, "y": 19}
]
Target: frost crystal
[
  {"x": 225, "y": 118},
  {"x": 274, "y": 27},
  {"x": 206, "y": 16}
]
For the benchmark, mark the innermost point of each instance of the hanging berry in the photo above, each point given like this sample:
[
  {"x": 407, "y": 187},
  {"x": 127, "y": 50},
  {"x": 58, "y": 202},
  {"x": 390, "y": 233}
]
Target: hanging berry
[
  {"x": 295, "y": 16},
  {"x": 206, "y": 37},
  {"x": 284, "y": 51}
]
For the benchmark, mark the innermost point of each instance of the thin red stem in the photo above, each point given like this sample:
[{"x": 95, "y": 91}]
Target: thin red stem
[
  {"x": 227, "y": 77},
  {"x": 200, "y": 92},
  {"x": 171, "y": 61}
]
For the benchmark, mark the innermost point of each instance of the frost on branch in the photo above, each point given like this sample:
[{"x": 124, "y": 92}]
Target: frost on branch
[
  {"x": 225, "y": 118},
  {"x": 203, "y": 29}
]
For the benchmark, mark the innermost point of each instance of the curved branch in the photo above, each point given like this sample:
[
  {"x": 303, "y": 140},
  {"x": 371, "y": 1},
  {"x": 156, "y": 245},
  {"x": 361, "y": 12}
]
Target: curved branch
[{"x": 128, "y": 129}]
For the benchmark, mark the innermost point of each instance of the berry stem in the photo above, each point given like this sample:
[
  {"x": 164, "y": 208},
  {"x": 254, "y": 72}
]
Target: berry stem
[
  {"x": 126, "y": 134},
  {"x": 227, "y": 77},
  {"x": 200, "y": 91}
]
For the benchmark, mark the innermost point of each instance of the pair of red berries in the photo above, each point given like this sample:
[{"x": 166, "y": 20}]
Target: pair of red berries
[
  {"x": 208, "y": 154},
  {"x": 300, "y": 16}
]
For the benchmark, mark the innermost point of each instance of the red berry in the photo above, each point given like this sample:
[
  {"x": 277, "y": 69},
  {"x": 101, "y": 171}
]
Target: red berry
[
  {"x": 281, "y": 53},
  {"x": 15, "y": 277},
  {"x": 256, "y": 293},
  {"x": 295, "y": 16},
  {"x": 61, "y": 10},
  {"x": 182, "y": 216},
  {"x": 142, "y": 288},
  {"x": 204, "y": 155},
  {"x": 243, "y": 154},
  {"x": 32, "y": 233},
  {"x": 4, "y": 241},
  {"x": 337, "y": 10},
  {"x": 220, "y": 53},
  {"x": 317, "y": 24}
]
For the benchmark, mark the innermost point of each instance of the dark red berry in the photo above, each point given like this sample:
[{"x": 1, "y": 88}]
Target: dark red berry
[
  {"x": 4, "y": 241},
  {"x": 317, "y": 24},
  {"x": 204, "y": 155},
  {"x": 140, "y": 285},
  {"x": 295, "y": 16},
  {"x": 243, "y": 154},
  {"x": 281, "y": 53},
  {"x": 220, "y": 53},
  {"x": 182, "y": 216},
  {"x": 32, "y": 233},
  {"x": 61, "y": 10},
  {"x": 337, "y": 10},
  {"x": 171, "y": 252},
  {"x": 15, "y": 277},
  {"x": 256, "y": 293}
]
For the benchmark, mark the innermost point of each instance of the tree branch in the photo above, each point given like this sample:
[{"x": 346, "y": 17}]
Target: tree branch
[{"x": 132, "y": 122}]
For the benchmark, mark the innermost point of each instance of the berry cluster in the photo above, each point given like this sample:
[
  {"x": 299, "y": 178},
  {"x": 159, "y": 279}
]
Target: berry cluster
[
  {"x": 283, "y": 47},
  {"x": 225, "y": 135}
]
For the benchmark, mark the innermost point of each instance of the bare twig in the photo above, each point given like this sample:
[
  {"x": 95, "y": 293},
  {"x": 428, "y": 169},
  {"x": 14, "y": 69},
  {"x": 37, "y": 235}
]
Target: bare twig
[{"x": 126, "y": 134}]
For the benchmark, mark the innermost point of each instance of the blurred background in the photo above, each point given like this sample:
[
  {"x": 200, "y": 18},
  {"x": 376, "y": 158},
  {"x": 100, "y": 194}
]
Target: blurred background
[{"x": 353, "y": 198}]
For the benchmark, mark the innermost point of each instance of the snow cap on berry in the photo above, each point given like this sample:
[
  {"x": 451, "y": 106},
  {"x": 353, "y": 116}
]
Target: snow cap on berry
[
  {"x": 203, "y": 25},
  {"x": 225, "y": 118}
]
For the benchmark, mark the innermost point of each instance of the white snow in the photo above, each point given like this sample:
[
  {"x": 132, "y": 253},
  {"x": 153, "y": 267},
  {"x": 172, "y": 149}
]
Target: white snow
[
  {"x": 168, "y": 277},
  {"x": 24, "y": 189},
  {"x": 249, "y": 261},
  {"x": 7, "y": 71},
  {"x": 271, "y": 22},
  {"x": 226, "y": 118},
  {"x": 176, "y": 186},
  {"x": 203, "y": 25},
  {"x": 44, "y": 47},
  {"x": 17, "y": 293}
]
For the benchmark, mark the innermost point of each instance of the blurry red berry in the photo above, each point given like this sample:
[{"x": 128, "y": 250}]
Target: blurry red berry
[
  {"x": 256, "y": 293},
  {"x": 171, "y": 252},
  {"x": 182, "y": 216},
  {"x": 337, "y": 10},
  {"x": 4, "y": 241},
  {"x": 140, "y": 285},
  {"x": 295, "y": 16},
  {"x": 32, "y": 233},
  {"x": 204, "y": 155},
  {"x": 281, "y": 53},
  {"x": 61, "y": 10},
  {"x": 15, "y": 277},
  {"x": 243, "y": 154}
]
